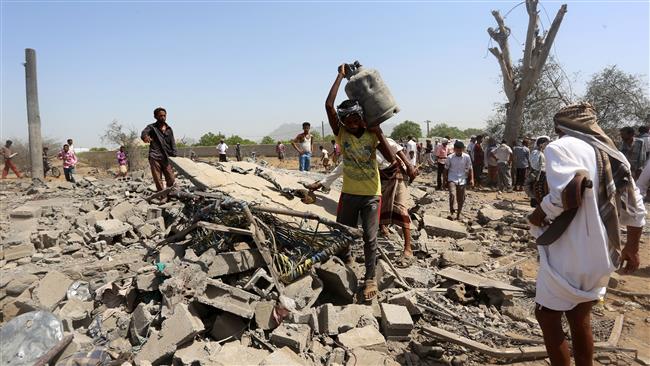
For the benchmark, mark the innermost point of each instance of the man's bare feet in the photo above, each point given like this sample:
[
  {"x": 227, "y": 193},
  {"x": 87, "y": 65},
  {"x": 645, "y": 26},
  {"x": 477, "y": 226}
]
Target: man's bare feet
[{"x": 370, "y": 290}]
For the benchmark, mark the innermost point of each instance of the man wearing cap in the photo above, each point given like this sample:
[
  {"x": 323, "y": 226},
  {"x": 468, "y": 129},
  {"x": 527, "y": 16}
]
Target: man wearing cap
[
  {"x": 591, "y": 193},
  {"x": 458, "y": 173},
  {"x": 441, "y": 160}
]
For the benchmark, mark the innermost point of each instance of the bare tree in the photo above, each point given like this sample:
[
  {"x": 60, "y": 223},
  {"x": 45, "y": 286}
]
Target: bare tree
[
  {"x": 116, "y": 134},
  {"x": 517, "y": 85}
]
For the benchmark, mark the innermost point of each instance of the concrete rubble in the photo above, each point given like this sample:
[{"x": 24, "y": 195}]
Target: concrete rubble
[{"x": 193, "y": 281}]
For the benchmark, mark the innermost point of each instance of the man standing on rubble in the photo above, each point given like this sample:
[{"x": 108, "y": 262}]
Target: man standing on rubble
[
  {"x": 590, "y": 188},
  {"x": 503, "y": 156},
  {"x": 361, "y": 193},
  {"x": 302, "y": 144},
  {"x": 162, "y": 145},
  {"x": 458, "y": 174},
  {"x": 222, "y": 149},
  {"x": 7, "y": 155}
]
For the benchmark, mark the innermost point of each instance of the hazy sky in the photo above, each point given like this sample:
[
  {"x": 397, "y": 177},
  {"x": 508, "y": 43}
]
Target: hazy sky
[{"x": 244, "y": 68}]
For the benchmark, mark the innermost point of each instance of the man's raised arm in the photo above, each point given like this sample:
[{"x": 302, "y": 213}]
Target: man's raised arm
[{"x": 332, "y": 117}]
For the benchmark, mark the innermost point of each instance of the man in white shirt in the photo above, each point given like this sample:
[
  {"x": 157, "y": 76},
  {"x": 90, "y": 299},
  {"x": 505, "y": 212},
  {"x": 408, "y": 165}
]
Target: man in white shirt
[
  {"x": 470, "y": 147},
  {"x": 503, "y": 155},
  {"x": 458, "y": 173},
  {"x": 324, "y": 157},
  {"x": 578, "y": 230},
  {"x": 412, "y": 151},
  {"x": 222, "y": 148}
]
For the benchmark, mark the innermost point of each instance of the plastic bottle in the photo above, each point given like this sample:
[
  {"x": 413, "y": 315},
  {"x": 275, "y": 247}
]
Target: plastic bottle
[{"x": 367, "y": 87}]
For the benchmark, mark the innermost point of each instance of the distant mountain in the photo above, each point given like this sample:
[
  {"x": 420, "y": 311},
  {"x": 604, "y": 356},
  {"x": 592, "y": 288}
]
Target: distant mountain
[{"x": 287, "y": 131}]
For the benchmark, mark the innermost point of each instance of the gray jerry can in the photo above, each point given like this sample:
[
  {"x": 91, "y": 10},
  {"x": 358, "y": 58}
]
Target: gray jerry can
[{"x": 367, "y": 87}]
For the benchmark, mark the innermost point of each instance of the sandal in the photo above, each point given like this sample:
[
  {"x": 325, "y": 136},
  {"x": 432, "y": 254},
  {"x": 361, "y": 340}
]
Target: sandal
[
  {"x": 405, "y": 261},
  {"x": 370, "y": 290}
]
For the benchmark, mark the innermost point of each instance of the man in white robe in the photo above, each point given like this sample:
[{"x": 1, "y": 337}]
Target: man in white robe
[{"x": 575, "y": 268}]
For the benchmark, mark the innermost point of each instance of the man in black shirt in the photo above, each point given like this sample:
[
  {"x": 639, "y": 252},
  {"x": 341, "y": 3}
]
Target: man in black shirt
[{"x": 162, "y": 145}]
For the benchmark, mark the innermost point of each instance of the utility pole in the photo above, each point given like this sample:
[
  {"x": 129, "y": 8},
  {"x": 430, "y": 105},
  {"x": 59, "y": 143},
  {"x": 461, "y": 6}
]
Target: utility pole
[
  {"x": 427, "y": 122},
  {"x": 322, "y": 129},
  {"x": 33, "y": 115}
]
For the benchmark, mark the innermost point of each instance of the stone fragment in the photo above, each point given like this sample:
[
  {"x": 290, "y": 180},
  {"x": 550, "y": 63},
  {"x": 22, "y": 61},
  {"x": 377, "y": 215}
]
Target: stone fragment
[
  {"x": 123, "y": 211},
  {"x": 333, "y": 320},
  {"x": 135, "y": 221},
  {"x": 181, "y": 327},
  {"x": 18, "y": 251},
  {"x": 264, "y": 315},
  {"x": 20, "y": 283},
  {"x": 487, "y": 214},
  {"x": 236, "y": 354},
  {"x": 396, "y": 322},
  {"x": 229, "y": 298},
  {"x": 94, "y": 216},
  {"x": 51, "y": 289},
  {"x": 407, "y": 299},
  {"x": 384, "y": 276},
  {"x": 49, "y": 238},
  {"x": 26, "y": 212},
  {"x": 304, "y": 291},
  {"x": 369, "y": 357},
  {"x": 141, "y": 319},
  {"x": 75, "y": 314},
  {"x": 283, "y": 357},
  {"x": 197, "y": 353},
  {"x": 338, "y": 279},
  {"x": 294, "y": 336},
  {"x": 234, "y": 262},
  {"x": 438, "y": 226},
  {"x": 466, "y": 259},
  {"x": 367, "y": 336},
  {"x": 111, "y": 228},
  {"x": 260, "y": 283},
  {"x": 148, "y": 281}
]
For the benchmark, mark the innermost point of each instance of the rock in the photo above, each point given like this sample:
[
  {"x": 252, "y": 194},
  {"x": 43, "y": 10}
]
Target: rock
[
  {"x": 18, "y": 251},
  {"x": 283, "y": 357},
  {"x": 407, "y": 299},
  {"x": 294, "y": 336},
  {"x": 19, "y": 284},
  {"x": 438, "y": 226},
  {"x": 49, "y": 238},
  {"x": 469, "y": 245},
  {"x": 26, "y": 212},
  {"x": 123, "y": 211},
  {"x": 75, "y": 314},
  {"x": 51, "y": 289},
  {"x": 233, "y": 262},
  {"x": 362, "y": 356},
  {"x": 197, "y": 353},
  {"x": 111, "y": 228},
  {"x": 141, "y": 319},
  {"x": 396, "y": 322},
  {"x": 227, "y": 325},
  {"x": 264, "y": 315},
  {"x": 487, "y": 214},
  {"x": 367, "y": 336},
  {"x": 466, "y": 259},
  {"x": 236, "y": 354},
  {"x": 337, "y": 357},
  {"x": 93, "y": 217},
  {"x": 146, "y": 230},
  {"x": 459, "y": 294},
  {"x": 148, "y": 281},
  {"x": 304, "y": 291},
  {"x": 181, "y": 327},
  {"x": 338, "y": 279},
  {"x": 384, "y": 276}
]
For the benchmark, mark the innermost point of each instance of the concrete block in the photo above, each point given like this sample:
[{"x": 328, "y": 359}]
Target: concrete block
[
  {"x": 235, "y": 354},
  {"x": 466, "y": 259},
  {"x": 338, "y": 279},
  {"x": 110, "y": 228},
  {"x": 76, "y": 314},
  {"x": 169, "y": 252},
  {"x": 26, "y": 212},
  {"x": 49, "y": 238},
  {"x": 158, "y": 223},
  {"x": 135, "y": 221},
  {"x": 20, "y": 283},
  {"x": 407, "y": 299},
  {"x": 260, "y": 283},
  {"x": 228, "y": 298},
  {"x": 333, "y": 320},
  {"x": 283, "y": 357},
  {"x": 384, "y": 275},
  {"x": 180, "y": 328},
  {"x": 235, "y": 262},
  {"x": 304, "y": 291},
  {"x": 396, "y": 322},
  {"x": 438, "y": 226},
  {"x": 146, "y": 230},
  {"x": 367, "y": 336},
  {"x": 264, "y": 315},
  {"x": 153, "y": 213},
  {"x": 141, "y": 319},
  {"x": 122, "y": 211},
  {"x": 93, "y": 216},
  {"x": 18, "y": 251},
  {"x": 227, "y": 325},
  {"x": 51, "y": 289},
  {"x": 294, "y": 336},
  {"x": 148, "y": 281}
]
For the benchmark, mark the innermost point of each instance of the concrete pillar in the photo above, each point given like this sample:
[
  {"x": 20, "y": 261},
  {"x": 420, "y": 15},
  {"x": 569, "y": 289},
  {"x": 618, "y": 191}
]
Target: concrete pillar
[{"x": 33, "y": 115}]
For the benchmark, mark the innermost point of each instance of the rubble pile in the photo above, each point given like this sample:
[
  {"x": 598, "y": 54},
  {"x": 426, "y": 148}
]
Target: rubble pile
[{"x": 232, "y": 271}]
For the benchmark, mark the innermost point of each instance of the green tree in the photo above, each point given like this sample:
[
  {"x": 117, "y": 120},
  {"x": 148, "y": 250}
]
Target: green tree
[
  {"x": 93, "y": 149},
  {"x": 405, "y": 129},
  {"x": 210, "y": 139},
  {"x": 472, "y": 131},
  {"x": 443, "y": 129},
  {"x": 235, "y": 139},
  {"x": 267, "y": 140}
]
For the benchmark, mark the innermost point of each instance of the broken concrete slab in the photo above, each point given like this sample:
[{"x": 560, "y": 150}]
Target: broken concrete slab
[
  {"x": 264, "y": 315},
  {"x": 438, "y": 226},
  {"x": 123, "y": 211},
  {"x": 304, "y": 291},
  {"x": 338, "y": 278},
  {"x": 384, "y": 275},
  {"x": 236, "y": 354},
  {"x": 260, "y": 283},
  {"x": 149, "y": 281},
  {"x": 93, "y": 217},
  {"x": 333, "y": 320},
  {"x": 234, "y": 262},
  {"x": 181, "y": 327},
  {"x": 283, "y": 357},
  {"x": 396, "y": 322},
  {"x": 20, "y": 283},
  {"x": 407, "y": 299},
  {"x": 141, "y": 319},
  {"x": 26, "y": 212},
  {"x": 110, "y": 228},
  {"x": 360, "y": 356},
  {"x": 229, "y": 298},
  {"x": 49, "y": 238},
  {"x": 466, "y": 259},
  {"x": 76, "y": 314},
  {"x": 18, "y": 251},
  {"x": 294, "y": 336},
  {"x": 51, "y": 289},
  {"x": 487, "y": 214},
  {"x": 227, "y": 325},
  {"x": 197, "y": 353},
  {"x": 366, "y": 337},
  {"x": 475, "y": 280}
]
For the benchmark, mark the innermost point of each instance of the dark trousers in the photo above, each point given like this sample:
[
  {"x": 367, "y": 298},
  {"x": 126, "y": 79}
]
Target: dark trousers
[
  {"x": 520, "y": 176},
  {"x": 351, "y": 206},
  {"x": 222, "y": 157},
  {"x": 441, "y": 171},
  {"x": 478, "y": 171},
  {"x": 68, "y": 174},
  {"x": 161, "y": 168}
]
